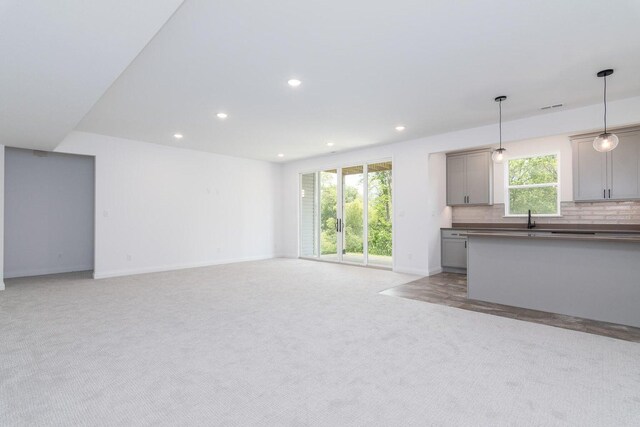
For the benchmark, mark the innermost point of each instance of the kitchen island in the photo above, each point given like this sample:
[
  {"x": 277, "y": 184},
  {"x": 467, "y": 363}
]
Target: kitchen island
[{"x": 589, "y": 275}]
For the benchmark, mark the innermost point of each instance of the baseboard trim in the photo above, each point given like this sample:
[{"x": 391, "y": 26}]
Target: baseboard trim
[
  {"x": 433, "y": 271},
  {"x": 45, "y": 271},
  {"x": 1, "y": 285},
  {"x": 160, "y": 269}
]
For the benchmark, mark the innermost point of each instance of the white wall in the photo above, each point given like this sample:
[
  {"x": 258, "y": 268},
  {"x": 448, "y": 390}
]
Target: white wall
[
  {"x": 1, "y": 217},
  {"x": 48, "y": 213},
  {"x": 416, "y": 231},
  {"x": 163, "y": 208},
  {"x": 439, "y": 212}
]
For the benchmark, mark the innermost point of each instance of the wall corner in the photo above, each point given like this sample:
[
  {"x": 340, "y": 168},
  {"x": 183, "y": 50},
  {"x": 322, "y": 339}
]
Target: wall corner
[{"x": 1, "y": 217}]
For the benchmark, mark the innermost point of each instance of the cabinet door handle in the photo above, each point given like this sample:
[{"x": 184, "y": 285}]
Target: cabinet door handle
[
  {"x": 604, "y": 194},
  {"x": 609, "y": 193},
  {"x": 465, "y": 244}
]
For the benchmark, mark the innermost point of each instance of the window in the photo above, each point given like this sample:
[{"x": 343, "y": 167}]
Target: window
[{"x": 532, "y": 183}]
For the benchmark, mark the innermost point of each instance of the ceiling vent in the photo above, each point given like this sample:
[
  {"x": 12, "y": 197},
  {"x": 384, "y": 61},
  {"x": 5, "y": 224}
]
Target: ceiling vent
[{"x": 549, "y": 107}]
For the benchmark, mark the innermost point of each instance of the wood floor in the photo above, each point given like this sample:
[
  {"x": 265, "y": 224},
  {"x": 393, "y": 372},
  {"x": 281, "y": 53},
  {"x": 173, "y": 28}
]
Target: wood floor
[{"x": 451, "y": 289}]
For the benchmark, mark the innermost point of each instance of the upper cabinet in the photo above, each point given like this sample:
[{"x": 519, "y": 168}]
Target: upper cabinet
[
  {"x": 469, "y": 178},
  {"x": 607, "y": 176}
]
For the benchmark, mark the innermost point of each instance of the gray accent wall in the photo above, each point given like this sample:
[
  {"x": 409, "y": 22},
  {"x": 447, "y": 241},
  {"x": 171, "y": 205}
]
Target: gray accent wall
[{"x": 48, "y": 213}]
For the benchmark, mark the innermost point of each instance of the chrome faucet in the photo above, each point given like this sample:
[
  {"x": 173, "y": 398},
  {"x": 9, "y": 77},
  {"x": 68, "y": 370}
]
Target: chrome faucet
[{"x": 530, "y": 224}]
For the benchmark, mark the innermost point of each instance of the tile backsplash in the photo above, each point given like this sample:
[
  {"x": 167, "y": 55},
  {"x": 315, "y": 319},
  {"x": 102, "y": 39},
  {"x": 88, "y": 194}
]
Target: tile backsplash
[{"x": 572, "y": 213}]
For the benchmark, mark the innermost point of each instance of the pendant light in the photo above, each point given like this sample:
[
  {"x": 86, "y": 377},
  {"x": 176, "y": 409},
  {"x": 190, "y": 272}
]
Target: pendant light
[
  {"x": 498, "y": 155},
  {"x": 605, "y": 141}
]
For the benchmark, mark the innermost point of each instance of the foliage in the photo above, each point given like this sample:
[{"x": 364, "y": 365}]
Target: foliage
[
  {"x": 328, "y": 244},
  {"x": 379, "y": 213},
  {"x": 380, "y": 237},
  {"x": 541, "y": 200},
  {"x": 533, "y": 171}
]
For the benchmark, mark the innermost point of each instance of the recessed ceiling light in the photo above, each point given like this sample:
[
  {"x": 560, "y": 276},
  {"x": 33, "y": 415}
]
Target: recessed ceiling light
[
  {"x": 222, "y": 115},
  {"x": 294, "y": 82},
  {"x": 400, "y": 128},
  {"x": 280, "y": 155},
  {"x": 177, "y": 135},
  {"x": 329, "y": 144}
]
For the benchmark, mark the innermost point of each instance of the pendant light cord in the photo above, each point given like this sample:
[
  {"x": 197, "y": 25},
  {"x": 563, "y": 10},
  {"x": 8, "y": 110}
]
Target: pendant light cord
[
  {"x": 605, "y": 104},
  {"x": 500, "y": 106}
]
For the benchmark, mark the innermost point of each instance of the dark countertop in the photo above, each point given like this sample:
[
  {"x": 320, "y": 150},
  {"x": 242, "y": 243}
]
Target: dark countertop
[
  {"x": 551, "y": 228},
  {"x": 558, "y": 235}
]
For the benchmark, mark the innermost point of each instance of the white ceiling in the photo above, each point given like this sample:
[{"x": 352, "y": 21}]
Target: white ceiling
[
  {"x": 366, "y": 66},
  {"x": 59, "y": 57}
]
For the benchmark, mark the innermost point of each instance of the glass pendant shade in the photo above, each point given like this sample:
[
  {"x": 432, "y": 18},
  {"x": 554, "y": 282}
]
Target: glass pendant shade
[
  {"x": 499, "y": 155},
  {"x": 605, "y": 142}
]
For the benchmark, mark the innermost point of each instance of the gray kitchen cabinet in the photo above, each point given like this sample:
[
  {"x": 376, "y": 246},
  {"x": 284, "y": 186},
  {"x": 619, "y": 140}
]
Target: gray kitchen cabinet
[
  {"x": 607, "y": 176},
  {"x": 589, "y": 172},
  {"x": 624, "y": 167},
  {"x": 454, "y": 251},
  {"x": 469, "y": 178},
  {"x": 456, "y": 180}
]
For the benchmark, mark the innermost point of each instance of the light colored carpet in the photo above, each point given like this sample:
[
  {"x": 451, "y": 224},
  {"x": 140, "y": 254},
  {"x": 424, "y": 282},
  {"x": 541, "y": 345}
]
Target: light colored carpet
[{"x": 292, "y": 342}]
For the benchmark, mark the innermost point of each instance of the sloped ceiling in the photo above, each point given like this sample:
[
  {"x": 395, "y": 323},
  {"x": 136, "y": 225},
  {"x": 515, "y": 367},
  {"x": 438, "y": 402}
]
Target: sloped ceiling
[
  {"x": 59, "y": 57},
  {"x": 366, "y": 66}
]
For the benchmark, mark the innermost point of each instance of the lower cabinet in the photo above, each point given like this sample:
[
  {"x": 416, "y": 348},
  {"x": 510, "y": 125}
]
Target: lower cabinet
[{"x": 454, "y": 251}]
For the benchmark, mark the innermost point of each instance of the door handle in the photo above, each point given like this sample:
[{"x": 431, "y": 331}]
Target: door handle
[
  {"x": 604, "y": 194},
  {"x": 340, "y": 220},
  {"x": 337, "y": 229}
]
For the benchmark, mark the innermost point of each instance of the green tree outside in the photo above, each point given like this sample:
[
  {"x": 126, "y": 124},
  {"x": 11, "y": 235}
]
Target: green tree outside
[
  {"x": 539, "y": 170},
  {"x": 379, "y": 215}
]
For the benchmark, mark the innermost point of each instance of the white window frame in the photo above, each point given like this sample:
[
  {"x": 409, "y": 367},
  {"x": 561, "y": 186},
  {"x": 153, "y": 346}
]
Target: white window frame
[{"x": 508, "y": 187}]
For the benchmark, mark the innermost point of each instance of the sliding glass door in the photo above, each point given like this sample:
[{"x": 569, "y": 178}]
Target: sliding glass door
[
  {"x": 329, "y": 225},
  {"x": 346, "y": 214},
  {"x": 352, "y": 227},
  {"x": 379, "y": 211}
]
